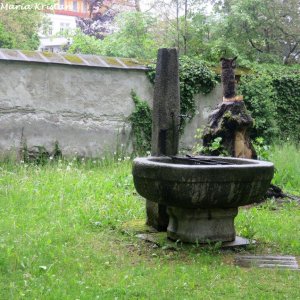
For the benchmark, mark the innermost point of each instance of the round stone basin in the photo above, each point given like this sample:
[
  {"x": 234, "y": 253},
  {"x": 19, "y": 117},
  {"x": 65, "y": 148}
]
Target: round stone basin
[
  {"x": 190, "y": 185},
  {"x": 200, "y": 196}
]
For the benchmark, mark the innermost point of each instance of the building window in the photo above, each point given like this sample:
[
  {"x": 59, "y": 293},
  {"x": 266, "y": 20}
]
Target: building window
[
  {"x": 85, "y": 6},
  {"x": 75, "y": 5},
  {"x": 48, "y": 49},
  {"x": 46, "y": 27},
  {"x": 61, "y": 4},
  {"x": 62, "y": 28}
]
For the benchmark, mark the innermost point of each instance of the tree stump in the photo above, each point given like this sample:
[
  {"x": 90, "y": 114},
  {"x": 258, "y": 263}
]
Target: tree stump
[{"x": 232, "y": 122}]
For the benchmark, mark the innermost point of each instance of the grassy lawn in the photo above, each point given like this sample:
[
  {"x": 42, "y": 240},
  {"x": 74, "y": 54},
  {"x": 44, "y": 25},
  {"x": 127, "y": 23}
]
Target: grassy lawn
[{"x": 61, "y": 238}]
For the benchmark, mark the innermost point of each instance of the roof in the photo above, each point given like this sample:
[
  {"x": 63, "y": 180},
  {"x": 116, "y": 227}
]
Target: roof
[
  {"x": 50, "y": 41},
  {"x": 72, "y": 59}
]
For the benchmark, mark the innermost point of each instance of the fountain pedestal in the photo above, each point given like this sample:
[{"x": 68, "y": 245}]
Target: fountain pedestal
[{"x": 201, "y": 225}]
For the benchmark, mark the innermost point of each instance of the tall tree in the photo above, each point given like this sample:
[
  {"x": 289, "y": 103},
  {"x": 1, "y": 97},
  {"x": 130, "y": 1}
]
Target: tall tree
[
  {"x": 19, "y": 27},
  {"x": 262, "y": 30},
  {"x": 135, "y": 37}
]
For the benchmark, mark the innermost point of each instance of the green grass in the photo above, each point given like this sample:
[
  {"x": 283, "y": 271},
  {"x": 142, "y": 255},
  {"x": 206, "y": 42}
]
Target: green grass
[
  {"x": 61, "y": 238},
  {"x": 286, "y": 159}
]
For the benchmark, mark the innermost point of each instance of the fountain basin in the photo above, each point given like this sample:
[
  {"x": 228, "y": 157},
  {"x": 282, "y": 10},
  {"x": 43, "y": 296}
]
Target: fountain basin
[{"x": 202, "y": 199}]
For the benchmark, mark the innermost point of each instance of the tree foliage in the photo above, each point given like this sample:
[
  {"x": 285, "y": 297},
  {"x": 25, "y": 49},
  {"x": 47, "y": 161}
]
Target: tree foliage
[
  {"x": 133, "y": 39},
  {"x": 6, "y": 39},
  {"x": 272, "y": 95},
  {"x": 259, "y": 96},
  {"x": 261, "y": 30},
  {"x": 85, "y": 44},
  {"x": 98, "y": 25},
  {"x": 19, "y": 28}
]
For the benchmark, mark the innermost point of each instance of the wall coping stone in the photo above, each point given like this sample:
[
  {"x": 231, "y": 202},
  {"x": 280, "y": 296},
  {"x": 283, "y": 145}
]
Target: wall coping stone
[{"x": 72, "y": 59}]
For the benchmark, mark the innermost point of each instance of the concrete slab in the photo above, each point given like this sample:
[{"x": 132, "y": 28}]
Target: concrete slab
[{"x": 267, "y": 261}]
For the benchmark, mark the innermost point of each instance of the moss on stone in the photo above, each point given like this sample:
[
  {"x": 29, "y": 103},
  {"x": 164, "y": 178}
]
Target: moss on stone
[
  {"x": 111, "y": 61},
  {"x": 130, "y": 62},
  {"x": 93, "y": 60},
  {"x": 47, "y": 54},
  {"x": 73, "y": 59},
  {"x": 136, "y": 226},
  {"x": 29, "y": 53}
]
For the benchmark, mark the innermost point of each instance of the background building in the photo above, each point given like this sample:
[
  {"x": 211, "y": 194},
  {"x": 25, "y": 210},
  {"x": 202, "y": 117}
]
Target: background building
[{"x": 63, "y": 19}]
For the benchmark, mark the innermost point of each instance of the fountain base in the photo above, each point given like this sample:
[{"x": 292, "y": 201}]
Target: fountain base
[
  {"x": 201, "y": 225},
  {"x": 157, "y": 216}
]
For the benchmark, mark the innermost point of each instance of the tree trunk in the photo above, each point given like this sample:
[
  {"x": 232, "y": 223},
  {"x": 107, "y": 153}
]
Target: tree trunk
[
  {"x": 185, "y": 27},
  {"x": 177, "y": 25},
  {"x": 137, "y": 5}
]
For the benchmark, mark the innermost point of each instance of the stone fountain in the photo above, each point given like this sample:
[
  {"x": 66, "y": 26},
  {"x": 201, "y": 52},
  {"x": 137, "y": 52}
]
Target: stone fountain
[{"x": 195, "y": 199}]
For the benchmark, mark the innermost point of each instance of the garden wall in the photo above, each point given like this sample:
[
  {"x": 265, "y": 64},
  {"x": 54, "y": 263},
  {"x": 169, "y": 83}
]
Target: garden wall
[{"x": 82, "y": 102}]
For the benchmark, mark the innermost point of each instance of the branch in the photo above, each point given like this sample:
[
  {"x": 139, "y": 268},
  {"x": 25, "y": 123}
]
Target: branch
[{"x": 252, "y": 44}]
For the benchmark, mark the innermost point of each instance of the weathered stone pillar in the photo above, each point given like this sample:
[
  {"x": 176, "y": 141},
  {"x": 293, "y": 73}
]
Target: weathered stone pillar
[
  {"x": 165, "y": 122},
  {"x": 166, "y": 104}
]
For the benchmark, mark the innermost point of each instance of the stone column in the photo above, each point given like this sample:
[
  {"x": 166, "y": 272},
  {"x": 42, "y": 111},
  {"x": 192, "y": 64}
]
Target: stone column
[{"x": 165, "y": 123}]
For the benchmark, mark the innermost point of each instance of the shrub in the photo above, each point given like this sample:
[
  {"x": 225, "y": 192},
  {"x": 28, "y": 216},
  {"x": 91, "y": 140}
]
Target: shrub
[
  {"x": 259, "y": 96},
  {"x": 287, "y": 89},
  {"x": 272, "y": 95}
]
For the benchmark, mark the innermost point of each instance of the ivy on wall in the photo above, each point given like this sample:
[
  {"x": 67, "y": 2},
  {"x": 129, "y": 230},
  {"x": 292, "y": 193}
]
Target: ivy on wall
[
  {"x": 272, "y": 95},
  {"x": 195, "y": 77},
  {"x": 141, "y": 123}
]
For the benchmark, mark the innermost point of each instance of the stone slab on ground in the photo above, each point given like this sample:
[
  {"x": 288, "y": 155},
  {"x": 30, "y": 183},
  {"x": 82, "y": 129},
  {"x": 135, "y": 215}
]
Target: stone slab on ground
[
  {"x": 267, "y": 261},
  {"x": 160, "y": 239}
]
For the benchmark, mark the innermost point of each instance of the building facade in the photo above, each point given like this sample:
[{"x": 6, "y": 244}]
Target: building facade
[{"x": 63, "y": 19}]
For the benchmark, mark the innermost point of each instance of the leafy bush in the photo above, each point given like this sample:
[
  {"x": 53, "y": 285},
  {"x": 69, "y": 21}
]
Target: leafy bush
[
  {"x": 85, "y": 44},
  {"x": 259, "y": 96},
  {"x": 287, "y": 89},
  {"x": 262, "y": 150},
  {"x": 272, "y": 95}
]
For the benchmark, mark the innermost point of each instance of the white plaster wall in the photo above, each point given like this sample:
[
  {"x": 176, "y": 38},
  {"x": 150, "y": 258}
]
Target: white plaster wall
[
  {"x": 61, "y": 21},
  {"x": 84, "y": 109},
  {"x": 205, "y": 104}
]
